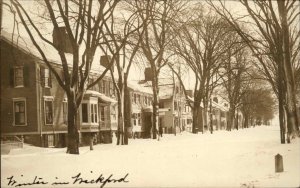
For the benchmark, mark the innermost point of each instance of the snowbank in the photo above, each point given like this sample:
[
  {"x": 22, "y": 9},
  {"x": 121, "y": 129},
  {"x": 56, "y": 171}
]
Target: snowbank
[{"x": 242, "y": 158}]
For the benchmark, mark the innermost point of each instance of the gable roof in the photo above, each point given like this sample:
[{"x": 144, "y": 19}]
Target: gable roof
[{"x": 26, "y": 45}]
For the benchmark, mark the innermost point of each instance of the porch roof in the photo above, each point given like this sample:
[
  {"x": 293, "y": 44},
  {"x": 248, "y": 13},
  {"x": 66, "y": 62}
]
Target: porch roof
[{"x": 101, "y": 96}]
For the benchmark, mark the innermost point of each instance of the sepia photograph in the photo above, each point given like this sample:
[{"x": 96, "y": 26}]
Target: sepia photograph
[{"x": 150, "y": 93}]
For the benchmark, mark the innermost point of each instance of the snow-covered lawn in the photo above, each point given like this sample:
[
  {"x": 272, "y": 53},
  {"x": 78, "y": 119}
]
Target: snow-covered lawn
[{"x": 243, "y": 158}]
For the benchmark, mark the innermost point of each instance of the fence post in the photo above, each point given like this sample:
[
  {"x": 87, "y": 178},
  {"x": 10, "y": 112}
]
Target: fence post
[{"x": 278, "y": 163}]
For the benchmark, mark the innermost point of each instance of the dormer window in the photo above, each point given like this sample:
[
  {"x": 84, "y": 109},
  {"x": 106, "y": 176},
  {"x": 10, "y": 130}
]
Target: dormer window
[{"x": 18, "y": 77}]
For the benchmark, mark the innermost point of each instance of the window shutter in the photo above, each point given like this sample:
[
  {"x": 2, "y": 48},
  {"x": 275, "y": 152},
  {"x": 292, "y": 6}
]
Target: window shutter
[
  {"x": 107, "y": 88},
  {"x": 26, "y": 76},
  {"x": 42, "y": 73},
  {"x": 50, "y": 79},
  {"x": 11, "y": 76}
]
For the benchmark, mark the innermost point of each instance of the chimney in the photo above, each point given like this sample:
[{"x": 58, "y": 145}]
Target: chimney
[
  {"x": 66, "y": 43},
  {"x": 215, "y": 99},
  {"x": 148, "y": 74},
  {"x": 105, "y": 61}
]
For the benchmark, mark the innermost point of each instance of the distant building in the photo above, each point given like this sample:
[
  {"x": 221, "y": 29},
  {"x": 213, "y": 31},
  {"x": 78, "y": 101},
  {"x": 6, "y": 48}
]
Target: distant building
[
  {"x": 178, "y": 115},
  {"x": 140, "y": 103},
  {"x": 219, "y": 113}
]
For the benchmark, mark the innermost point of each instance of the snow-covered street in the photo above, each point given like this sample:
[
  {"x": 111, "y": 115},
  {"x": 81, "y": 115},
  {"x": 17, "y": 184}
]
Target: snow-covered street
[{"x": 243, "y": 158}]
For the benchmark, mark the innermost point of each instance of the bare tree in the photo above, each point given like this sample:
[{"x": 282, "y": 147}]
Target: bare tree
[
  {"x": 275, "y": 39},
  {"x": 83, "y": 21},
  {"x": 202, "y": 43},
  {"x": 235, "y": 79},
  {"x": 122, "y": 35},
  {"x": 157, "y": 35}
]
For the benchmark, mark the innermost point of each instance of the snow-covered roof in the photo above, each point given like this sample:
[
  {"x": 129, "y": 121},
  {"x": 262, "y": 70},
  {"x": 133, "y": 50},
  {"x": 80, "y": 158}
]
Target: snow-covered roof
[
  {"x": 144, "y": 87},
  {"x": 100, "y": 96},
  {"x": 25, "y": 44},
  {"x": 219, "y": 106}
]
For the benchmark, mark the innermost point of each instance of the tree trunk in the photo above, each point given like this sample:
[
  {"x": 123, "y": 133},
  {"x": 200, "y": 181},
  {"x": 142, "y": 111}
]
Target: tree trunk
[
  {"x": 155, "y": 116},
  {"x": 230, "y": 118},
  {"x": 237, "y": 121},
  {"x": 281, "y": 116},
  {"x": 155, "y": 104},
  {"x": 210, "y": 117},
  {"x": 197, "y": 122},
  {"x": 246, "y": 121},
  {"x": 292, "y": 119},
  {"x": 73, "y": 134},
  {"x": 121, "y": 130},
  {"x": 127, "y": 110}
]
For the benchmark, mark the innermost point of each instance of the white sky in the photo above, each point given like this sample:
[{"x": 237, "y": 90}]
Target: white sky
[{"x": 136, "y": 73}]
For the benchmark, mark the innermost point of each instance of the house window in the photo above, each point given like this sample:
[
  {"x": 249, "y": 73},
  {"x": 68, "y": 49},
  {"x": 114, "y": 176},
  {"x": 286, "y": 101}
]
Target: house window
[
  {"x": 107, "y": 88},
  {"x": 45, "y": 77},
  {"x": 134, "y": 98},
  {"x": 113, "y": 113},
  {"x": 50, "y": 140},
  {"x": 150, "y": 101},
  {"x": 18, "y": 77},
  {"x": 139, "y": 118},
  {"x": 48, "y": 111},
  {"x": 84, "y": 112},
  {"x": 103, "y": 86},
  {"x": 94, "y": 113},
  {"x": 136, "y": 119},
  {"x": 187, "y": 108},
  {"x": 19, "y": 111},
  {"x": 145, "y": 100},
  {"x": 111, "y": 89},
  {"x": 175, "y": 105},
  {"x": 102, "y": 117},
  {"x": 65, "y": 112}
]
